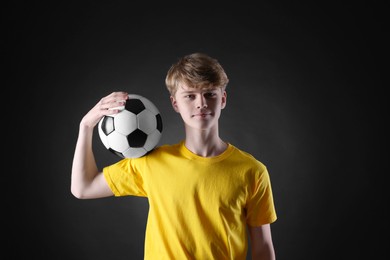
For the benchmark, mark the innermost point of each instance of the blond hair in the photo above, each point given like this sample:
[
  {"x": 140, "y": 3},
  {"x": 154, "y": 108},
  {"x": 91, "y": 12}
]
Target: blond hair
[{"x": 196, "y": 70}]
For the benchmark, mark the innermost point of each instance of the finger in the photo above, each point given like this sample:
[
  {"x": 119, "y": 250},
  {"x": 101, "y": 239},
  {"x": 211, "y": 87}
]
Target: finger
[
  {"x": 120, "y": 95},
  {"x": 113, "y": 101}
]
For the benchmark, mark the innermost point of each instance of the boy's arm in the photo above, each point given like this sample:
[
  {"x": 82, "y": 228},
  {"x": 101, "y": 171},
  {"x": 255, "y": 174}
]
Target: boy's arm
[
  {"x": 86, "y": 181},
  {"x": 261, "y": 242}
]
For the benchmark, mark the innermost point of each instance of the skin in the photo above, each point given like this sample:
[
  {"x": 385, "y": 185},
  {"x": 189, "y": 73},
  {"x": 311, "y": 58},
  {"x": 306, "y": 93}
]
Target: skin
[{"x": 200, "y": 110}]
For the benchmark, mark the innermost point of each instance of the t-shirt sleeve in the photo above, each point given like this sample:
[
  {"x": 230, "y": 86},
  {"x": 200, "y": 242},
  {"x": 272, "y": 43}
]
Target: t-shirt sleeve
[
  {"x": 124, "y": 178},
  {"x": 260, "y": 205}
]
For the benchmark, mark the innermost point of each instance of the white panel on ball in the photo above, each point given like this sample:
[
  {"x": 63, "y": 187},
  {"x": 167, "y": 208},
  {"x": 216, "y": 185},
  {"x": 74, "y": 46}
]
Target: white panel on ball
[
  {"x": 125, "y": 122},
  {"x": 147, "y": 121}
]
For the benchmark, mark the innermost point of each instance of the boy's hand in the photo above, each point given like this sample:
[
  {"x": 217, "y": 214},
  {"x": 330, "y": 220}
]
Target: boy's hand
[{"x": 108, "y": 105}]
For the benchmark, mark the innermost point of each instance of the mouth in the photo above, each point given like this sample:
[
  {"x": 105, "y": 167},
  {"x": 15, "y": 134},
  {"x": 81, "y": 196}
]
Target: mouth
[{"x": 202, "y": 115}]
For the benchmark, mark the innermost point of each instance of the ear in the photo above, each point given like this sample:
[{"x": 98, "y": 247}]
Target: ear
[
  {"x": 174, "y": 104},
  {"x": 224, "y": 99}
]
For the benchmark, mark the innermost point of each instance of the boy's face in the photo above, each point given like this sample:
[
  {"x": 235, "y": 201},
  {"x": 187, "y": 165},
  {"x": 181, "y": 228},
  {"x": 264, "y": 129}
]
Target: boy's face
[{"x": 199, "y": 108}]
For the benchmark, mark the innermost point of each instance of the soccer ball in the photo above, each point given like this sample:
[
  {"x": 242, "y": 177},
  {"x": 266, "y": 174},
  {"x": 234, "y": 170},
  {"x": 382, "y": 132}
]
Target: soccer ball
[{"x": 134, "y": 131}]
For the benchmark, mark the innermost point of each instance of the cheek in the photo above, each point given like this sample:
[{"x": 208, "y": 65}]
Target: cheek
[{"x": 179, "y": 107}]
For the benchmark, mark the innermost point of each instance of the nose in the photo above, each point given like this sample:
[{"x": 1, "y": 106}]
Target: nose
[{"x": 201, "y": 103}]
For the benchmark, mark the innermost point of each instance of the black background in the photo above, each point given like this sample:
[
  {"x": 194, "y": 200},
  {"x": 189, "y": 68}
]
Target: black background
[{"x": 306, "y": 97}]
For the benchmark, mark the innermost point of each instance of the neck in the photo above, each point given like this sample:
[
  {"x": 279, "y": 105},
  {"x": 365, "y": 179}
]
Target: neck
[{"x": 205, "y": 143}]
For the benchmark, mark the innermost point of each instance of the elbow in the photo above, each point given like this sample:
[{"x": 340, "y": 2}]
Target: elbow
[
  {"x": 78, "y": 189},
  {"x": 77, "y": 193}
]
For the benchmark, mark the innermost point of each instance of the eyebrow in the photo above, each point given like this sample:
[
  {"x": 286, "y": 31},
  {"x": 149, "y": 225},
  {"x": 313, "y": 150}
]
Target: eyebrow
[
  {"x": 188, "y": 92},
  {"x": 201, "y": 90}
]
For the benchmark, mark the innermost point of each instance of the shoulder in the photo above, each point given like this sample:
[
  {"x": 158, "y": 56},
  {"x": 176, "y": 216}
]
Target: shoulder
[
  {"x": 246, "y": 157},
  {"x": 166, "y": 151},
  {"x": 158, "y": 156}
]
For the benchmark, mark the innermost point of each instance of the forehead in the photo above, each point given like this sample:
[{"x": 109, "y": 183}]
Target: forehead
[{"x": 186, "y": 89}]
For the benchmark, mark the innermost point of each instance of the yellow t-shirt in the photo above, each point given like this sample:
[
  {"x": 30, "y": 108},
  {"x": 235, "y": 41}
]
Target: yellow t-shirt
[{"x": 198, "y": 207}]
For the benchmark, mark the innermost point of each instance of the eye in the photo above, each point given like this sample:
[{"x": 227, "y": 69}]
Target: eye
[
  {"x": 210, "y": 94},
  {"x": 190, "y": 96}
]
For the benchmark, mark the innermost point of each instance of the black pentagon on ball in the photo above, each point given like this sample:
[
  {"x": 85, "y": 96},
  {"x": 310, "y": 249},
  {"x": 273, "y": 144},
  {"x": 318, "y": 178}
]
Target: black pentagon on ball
[
  {"x": 134, "y": 105},
  {"x": 116, "y": 153},
  {"x": 137, "y": 138},
  {"x": 108, "y": 125},
  {"x": 159, "y": 123}
]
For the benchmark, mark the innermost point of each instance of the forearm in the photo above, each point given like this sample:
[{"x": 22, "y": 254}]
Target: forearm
[
  {"x": 263, "y": 252},
  {"x": 261, "y": 243}
]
